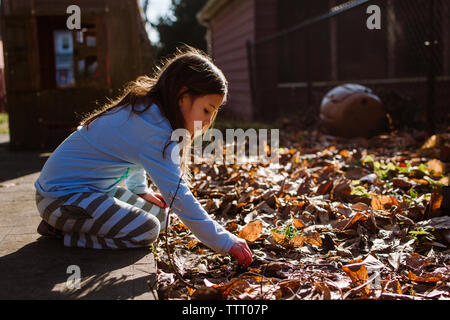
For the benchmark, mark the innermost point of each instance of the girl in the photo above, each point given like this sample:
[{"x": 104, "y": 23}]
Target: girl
[{"x": 78, "y": 194}]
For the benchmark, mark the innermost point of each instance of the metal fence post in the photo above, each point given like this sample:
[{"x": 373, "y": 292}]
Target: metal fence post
[
  {"x": 431, "y": 66},
  {"x": 251, "y": 76}
]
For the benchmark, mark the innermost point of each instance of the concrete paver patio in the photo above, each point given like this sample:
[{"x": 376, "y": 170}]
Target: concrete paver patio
[{"x": 34, "y": 267}]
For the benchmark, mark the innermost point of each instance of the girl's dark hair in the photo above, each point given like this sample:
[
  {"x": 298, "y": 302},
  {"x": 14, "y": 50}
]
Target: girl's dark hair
[{"x": 188, "y": 67}]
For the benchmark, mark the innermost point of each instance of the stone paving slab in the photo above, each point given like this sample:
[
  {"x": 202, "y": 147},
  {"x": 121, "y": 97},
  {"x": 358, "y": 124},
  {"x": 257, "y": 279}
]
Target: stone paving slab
[{"x": 35, "y": 267}]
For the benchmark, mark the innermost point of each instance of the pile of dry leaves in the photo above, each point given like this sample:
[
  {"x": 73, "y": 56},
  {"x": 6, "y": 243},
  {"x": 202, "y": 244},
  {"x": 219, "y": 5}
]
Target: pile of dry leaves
[{"x": 336, "y": 219}]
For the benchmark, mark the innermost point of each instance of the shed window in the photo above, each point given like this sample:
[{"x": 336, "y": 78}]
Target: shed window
[
  {"x": 70, "y": 59},
  {"x": 86, "y": 56},
  {"x": 64, "y": 58}
]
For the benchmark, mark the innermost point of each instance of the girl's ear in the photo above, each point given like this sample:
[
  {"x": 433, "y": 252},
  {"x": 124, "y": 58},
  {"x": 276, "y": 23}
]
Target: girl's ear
[{"x": 182, "y": 96}]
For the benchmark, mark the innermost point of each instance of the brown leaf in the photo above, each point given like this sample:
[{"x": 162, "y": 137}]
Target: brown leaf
[
  {"x": 360, "y": 206},
  {"x": 325, "y": 187},
  {"x": 278, "y": 237},
  {"x": 359, "y": 216},
  {"x": 232, "y": 226},
  {"x": 345, "y": 153},
  {"x": 235, "y": 285},
  {"x": 434, "y": 209},
  {"x": 422, "y": 182},
  {"x": 298, "y": 223},
  {"x": 251, "y": 231},
  {"x": 297, "y": 241},
  {"x": 416, "y": 261},
  {"x": 342, "y": 190},
  {"x": 436, "y": 167},
  {"x": 356, "y": 173},
  {"x": 432, "y": 142},
  {"x": 192, "y": 243},
  {"x": 357, "y": 271},
  {"x": 314, "y": 239},
  {"x": 398, "y": 287},
  {"x": 287, "y": 288},
  {"x": 401, "y": 183},
  {"x": 180, "y": 227},
  {"x": 382, "y": 202},
  {"x": 190, "y": 291},
  {"x": 430, "y": 277},
  {"x": 445, "y": 181}
]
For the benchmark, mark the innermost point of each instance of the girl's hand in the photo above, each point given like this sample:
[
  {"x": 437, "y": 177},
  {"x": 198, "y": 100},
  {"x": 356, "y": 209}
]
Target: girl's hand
[
  {"x": 155, "y": 198},
  {"x": 241, "y": 252}
]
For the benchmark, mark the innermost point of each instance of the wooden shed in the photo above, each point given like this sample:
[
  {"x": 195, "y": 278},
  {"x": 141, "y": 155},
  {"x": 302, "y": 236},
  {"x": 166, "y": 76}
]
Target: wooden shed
[{"x": 55, "y": 75}]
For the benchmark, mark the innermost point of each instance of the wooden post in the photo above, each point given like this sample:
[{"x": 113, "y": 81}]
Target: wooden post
[
  {"x": 446, "y": 36},
  {"x": 391, "y": 39},
  {"x": 333, "y": 44},
  {"x": 431, "y": 65}
]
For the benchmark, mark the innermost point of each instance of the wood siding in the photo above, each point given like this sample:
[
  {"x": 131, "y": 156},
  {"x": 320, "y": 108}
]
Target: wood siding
[
  {"x": 230, "y": 31},
  {"x": 41, "y": 115}
]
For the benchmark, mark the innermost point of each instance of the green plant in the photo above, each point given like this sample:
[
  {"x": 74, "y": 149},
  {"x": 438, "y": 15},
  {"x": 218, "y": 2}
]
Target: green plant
[
  {"x": 360, "y": 191},
  {"x": 434, "y": 183},
  {"x": 412, "y": 197},
  {"x": 384, "y": 171},
  {"x": 4, "y": 123},
  {"x": 288, "y": 231},
  {"x": 422, "y": 233},
  {"x": 153, "y": 248}
]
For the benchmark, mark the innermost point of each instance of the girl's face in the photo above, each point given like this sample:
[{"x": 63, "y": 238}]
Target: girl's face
[{"x": 202, "y": 109}]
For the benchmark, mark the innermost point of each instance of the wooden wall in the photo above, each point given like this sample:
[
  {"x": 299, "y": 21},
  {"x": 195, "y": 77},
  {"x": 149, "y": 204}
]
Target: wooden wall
[
  {"x": 41, "y": 115},
  {"x": 230, "y": 30}
]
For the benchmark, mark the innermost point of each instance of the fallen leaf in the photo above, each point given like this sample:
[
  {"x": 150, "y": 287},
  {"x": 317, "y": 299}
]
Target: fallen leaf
[
  {"x": 432, "y": 142},
  {"x": 233, "y": 226},
  {"x": 430, "y": 277},
  {"x": 415, "y": 261},
  {"x": 345, "y": 153},
  {"x": 251, "y": 231},
  {"x": 298, "y": 223},
  {"x": 298, "y": 241},
  {"x": 191, "y": 244},
  {"x": 359, "y": 216},
  {"x": 180, "y": 227},
  {"x": 382, "y": 202},
  {"x": 190, "y": 291},
  {"x": 235, "y": 285},
  {"x": 436, "y": 167},
  {"x": 357, "y": 272},
  {"x": 422, "y": 182},
  {"x": 360, "y": 206},
  {"x": 279, "y": 238},
  {"x": 401, "y": 183},
  {"x": 325, "y": 187},
  {"x": 434, "y": 209},
  {"x": 314, "y": 239},
  {"x": 185, "y": 260}
]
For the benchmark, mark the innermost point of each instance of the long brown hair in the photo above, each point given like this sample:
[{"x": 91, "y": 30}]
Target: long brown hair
[{"x": 188, "y": 67}]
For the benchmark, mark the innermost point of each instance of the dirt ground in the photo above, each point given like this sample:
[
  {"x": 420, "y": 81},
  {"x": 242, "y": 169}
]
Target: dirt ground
[{"x": 34, "y": 267}]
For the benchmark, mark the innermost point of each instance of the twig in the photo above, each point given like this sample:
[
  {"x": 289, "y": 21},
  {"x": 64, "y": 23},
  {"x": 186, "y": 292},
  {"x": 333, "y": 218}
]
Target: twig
[{"x": 172, "y": 264}]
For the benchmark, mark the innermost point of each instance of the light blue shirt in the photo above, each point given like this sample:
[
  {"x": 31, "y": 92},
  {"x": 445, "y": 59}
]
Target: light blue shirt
[{"x": 122, "y": 145}]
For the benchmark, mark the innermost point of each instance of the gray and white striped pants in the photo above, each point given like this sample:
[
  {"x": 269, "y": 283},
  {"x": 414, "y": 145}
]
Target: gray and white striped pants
[{"x": 114, "y": 220}]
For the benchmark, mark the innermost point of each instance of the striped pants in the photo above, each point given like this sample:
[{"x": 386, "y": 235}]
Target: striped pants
[{"x": 115, "y": 220}]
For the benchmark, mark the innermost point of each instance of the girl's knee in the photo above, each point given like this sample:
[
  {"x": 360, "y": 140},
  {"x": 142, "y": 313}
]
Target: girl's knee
[{"x": 150, "y": 230}]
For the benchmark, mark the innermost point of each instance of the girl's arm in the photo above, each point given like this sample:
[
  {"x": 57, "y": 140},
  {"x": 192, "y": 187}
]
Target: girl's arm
[
  {"x": 165, "y": 174},
  {"x": 137, "y": 181}
]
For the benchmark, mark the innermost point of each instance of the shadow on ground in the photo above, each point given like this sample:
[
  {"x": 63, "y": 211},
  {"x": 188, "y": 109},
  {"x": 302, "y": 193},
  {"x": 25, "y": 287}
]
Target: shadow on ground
[
  {"x": 19, "y": 163},
  {"x": 39, "y": 271}
]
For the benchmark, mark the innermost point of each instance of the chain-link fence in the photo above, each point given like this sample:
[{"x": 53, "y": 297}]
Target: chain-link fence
[{"x": 406, "y": 61}]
